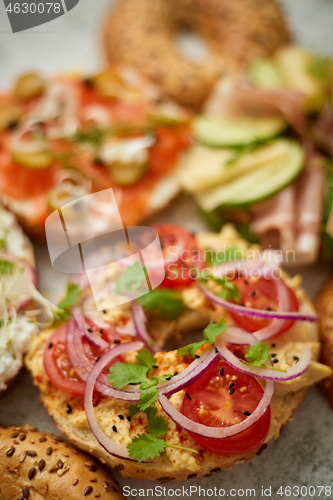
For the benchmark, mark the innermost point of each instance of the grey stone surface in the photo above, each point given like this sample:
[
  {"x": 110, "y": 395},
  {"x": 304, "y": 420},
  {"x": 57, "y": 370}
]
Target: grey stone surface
[{"x": 303, "y": 454}]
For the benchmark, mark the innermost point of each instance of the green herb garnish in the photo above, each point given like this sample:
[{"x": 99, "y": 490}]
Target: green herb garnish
[
  {"x": 257, "y": 355},
  {"x": 70, "y": 300},
  {"x": 132, "y": 279},
  {"x": 216, "y": 258},
  {"x": 210, "y": 333},
  {"x": 6, "y": 266},
  {"x": 168, "y": 303}
]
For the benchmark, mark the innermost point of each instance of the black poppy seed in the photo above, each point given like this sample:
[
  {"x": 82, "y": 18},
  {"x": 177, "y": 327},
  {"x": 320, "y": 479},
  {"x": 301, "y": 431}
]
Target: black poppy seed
[
  {"x": 188, "y": 396},
  {"x": 231, "y": 384},
  {"x": 87, "y": 491},
  {"x": 231, "y": 391},
  {"x": 246, "y": 282},
  {"x": 10, "y": 452},
  {"x": 32, "y": 473},
  {"x": 128, "y": 418},
  {"x": 50, "y": 345},
  {"x": 222, "y": 371},
  {"x": 273, "y": 355},
  {"x": 296, "y": 358},
  {"x": 89, "y": 330},
  {"x": 114, "y": 428},
  {"x": 275, "y": 360},
  {"x": 247, "y": 413},
  {"x": 168, "y": 378},
  {"x": 216, "y": 350},
  {"x": 121, "y": 417},
  {"x": 273, "y": 345},
  {"x": 253, "y": 293},
  {"x": 197, "y": 356},
  {"x": 116, "y": 341},
  {"x": 69, "y": 409}
]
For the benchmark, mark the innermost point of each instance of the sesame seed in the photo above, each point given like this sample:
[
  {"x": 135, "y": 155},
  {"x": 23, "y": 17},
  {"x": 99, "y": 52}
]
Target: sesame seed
[
  {"x": 247, "y": 413},
  {"x": 242, "y": 304},
  {"x": 222, "y": 371},
  {"x": 275, "y": 360},
  {"x": 231, "y": 391},
  {"x": 114, "y": 428},
  {"x": 168, "y": 378},
  {"x": 176, "y": 373},
  {"x": 155, "y": 366},
  {"x": 116, "y": 341},
  {"x": 296, "y": 358},
  {"x": 10, "y": 452},
  {"x": 49, "y": 451},
  {"x": 87, "y": 491},
  {"x": 188, "y": 396},
  {"x": 31, "y": 453},
  {"x": 273, "y": 345},
  {"x": 121, "y": 417},
  {"x": 41, "y": 464},
  {"x": 197, "y": 356},
  {"x": 128, "y": 418},
  {"x": 246, "y": 282},
  {"x": 253, "y": 293},
  {"x": 32, "y": 473},
  {"x": 104, "y": 311},
  {"x": 89, "y": 330},
  {"x": 273, "y": 355},
  {"x": 98, "y": 359},
  {"x": 50, "y": 345},
  {"x": 268, "y": 308},
  {"x": 101, "y": 331},
  {"x": 216, "y": 350},
  {"x": 231, "y": 384},
  {"x": 69, "y": 409}
]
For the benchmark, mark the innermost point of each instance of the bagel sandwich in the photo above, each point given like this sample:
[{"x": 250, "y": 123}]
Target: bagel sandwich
[
  {"x": 324, "y": 304},
  {"x": 66, "y": 137},
  {"x": 115, "y": 430},
  {"x": 35, "y": 464}
]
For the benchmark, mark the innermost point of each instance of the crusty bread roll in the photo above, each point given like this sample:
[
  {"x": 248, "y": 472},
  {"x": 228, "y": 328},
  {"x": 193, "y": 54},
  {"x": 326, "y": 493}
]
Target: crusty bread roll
[
  {"x": 35, "y": 465},
  {"x": 324, "y": 305}
]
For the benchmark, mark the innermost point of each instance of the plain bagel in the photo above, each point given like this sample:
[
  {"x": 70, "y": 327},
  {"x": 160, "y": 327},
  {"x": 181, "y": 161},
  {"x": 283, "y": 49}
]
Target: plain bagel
[
  {"x": 35, "y": 465},
  {"x": 235, "y": 33}
]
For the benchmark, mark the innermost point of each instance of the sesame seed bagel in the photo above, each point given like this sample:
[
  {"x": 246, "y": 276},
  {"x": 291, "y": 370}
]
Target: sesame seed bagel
[
  {"x": 234, "y": 32},
  {"x": 324, "y": 305},
  {"x": 175, "y": 463},
  {"x": 35, "y": 465}
]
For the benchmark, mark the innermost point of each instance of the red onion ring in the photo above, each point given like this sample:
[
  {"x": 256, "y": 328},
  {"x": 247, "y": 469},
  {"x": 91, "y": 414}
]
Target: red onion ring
[
  {"x": 139, "y": 321},
  {"x": 218, "y": 432},
  {"x": 293, "y": 372},
  {"x": 107, "y": 443},
  {"x": 259, "y": 313},
  {"x": 87, "y": 332},
  {"x": 190, "y": 374},
  {"x": 238, "y": 336}
]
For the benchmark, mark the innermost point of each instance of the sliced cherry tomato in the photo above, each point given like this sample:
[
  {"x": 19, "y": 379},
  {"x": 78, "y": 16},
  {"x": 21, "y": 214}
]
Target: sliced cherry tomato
[
  {"x": 220, "y": 401},
  {"x": 261, "y": 293},
  {"x": 58, "y": 366},
  {"x": 180, "y": 253}
]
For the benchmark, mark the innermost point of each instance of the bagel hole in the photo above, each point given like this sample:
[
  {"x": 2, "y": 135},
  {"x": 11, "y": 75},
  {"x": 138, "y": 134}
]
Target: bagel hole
[{"x": 190, "y": 45}]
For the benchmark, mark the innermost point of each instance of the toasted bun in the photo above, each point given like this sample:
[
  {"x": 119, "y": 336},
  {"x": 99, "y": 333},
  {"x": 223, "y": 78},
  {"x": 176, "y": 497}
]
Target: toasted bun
[
  {"x": 37, "y": 465},
  {"x": 324, "y": 305},
  {"x": 235, "y": 33}
]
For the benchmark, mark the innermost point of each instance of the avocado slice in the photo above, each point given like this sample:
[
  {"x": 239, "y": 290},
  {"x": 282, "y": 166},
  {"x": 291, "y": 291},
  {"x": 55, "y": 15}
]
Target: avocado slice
[{"x": 219, "y": 132}]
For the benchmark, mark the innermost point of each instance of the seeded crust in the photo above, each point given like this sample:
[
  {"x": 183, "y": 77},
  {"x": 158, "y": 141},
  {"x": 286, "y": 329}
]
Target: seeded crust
[
  {"x": 324, "y": 305},
  {"x": 235, "y": 33},
  {"x": 37, "y": 465}
]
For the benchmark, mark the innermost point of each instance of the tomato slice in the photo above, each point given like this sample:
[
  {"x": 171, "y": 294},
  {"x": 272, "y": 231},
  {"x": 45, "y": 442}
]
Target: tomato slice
[
  {"x": 58, "y": 366},
  {"x": 261, "y": 293},
  {"x": 177, "y": 240},
  {"x": 215, "y": 402}
]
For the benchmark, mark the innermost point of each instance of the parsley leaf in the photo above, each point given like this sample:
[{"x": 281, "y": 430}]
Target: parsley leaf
[
  {"x": 230, "y": 290},
  {"x": 71, "y": 299},
  {"x": 257, "y": 355},
  {"x": 210, "y": 333},
  {"x": 145, "y": 446},
  {"x": 167, "y": 303},
  {"x": 146, "y": 358},
  {"x": 216, "y": 258},
  {"x": 148, "y": 394},
  {"x": 122, "y": 374},
  {"x": 157, "y": 426},
  {"x": 132, "y": 279},
  {"x": 6, "y": 266}
]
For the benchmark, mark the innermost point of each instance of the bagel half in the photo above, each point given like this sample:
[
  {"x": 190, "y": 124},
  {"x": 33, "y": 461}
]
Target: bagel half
[
  {"x": 324, "y": 305},
  {"x": 177, "y": 464},
  {"x": 234, "y": 31}
]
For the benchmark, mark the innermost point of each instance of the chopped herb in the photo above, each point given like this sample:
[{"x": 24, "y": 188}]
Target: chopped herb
[
  {"x": 71, "y": 299},
  {"x": 257, "y": 355},
  {"x": 132, "y": 279},
  {"x": 210, "y": 333},
  {"x": 6, "y": 266},
  {"x": 216, "y": 258},
  {"x": 168, "y": 303}
]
